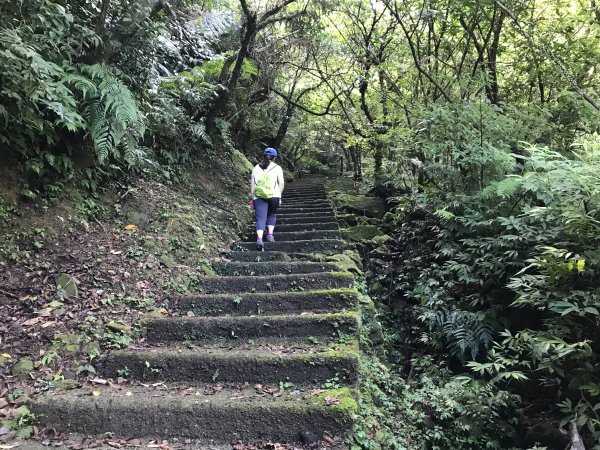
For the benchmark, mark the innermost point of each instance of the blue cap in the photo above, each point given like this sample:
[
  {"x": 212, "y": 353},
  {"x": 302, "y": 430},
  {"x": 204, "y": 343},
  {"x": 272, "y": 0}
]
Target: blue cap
[{"x": 270, "y": 151}]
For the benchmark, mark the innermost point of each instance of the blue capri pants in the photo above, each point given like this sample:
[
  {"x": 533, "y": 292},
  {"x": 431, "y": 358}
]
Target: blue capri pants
[{"x": 266, "y": 210}]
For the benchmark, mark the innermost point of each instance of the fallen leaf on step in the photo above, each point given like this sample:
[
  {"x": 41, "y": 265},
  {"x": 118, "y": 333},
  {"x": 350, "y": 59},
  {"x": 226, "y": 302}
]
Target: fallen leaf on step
[
  {"x": 328, "y": 439},
  {"x": 316, "y": 392},
  {"x": 332, "y": 400},
  {"x": 96, "y": 393},
  {"x": 130, "y": 227},
  {"x": 212, "y": 390},
  {"x": 30, "y": 322}
]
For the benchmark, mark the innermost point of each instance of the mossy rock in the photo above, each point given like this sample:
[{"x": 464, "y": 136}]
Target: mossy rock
[
  {"x": 119, "y": 327},
  {"x": 67, "y": 385},
  {"x": 341, "y": 184},
  {"x": 383, "y": 239},
  {"x": 360, "y": 204},
  {"x": 362, "y": 232},
  {"x": 22, "y": 368},
  {"x": 67, "y": 284},
  {"x": 344, "y": 262},
  {"x": 167, "y": 261},
  {"x": 240, "y": 162}
]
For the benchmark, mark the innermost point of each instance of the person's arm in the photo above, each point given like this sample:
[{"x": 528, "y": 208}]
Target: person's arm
[
  {"x": 281, "y": 181},
  {"x": 251, "y": 202}
]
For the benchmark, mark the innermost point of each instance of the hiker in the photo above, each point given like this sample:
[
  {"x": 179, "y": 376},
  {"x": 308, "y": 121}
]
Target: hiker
[{"x": 266, "y": 187}]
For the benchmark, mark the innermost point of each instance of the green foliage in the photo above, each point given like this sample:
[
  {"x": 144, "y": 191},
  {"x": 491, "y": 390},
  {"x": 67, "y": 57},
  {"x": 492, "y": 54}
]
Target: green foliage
[
  {"x": 520, "y": 255},
  {"x": 22, "y": 422},
  {"x": 115, "y": 339},
  {"x": 432, "y": 410},
  {"x": 113, "y": 117},
  {"x": 47, "y": 97}
]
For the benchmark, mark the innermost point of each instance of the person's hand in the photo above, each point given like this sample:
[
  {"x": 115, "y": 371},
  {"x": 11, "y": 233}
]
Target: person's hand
[{"x": 251, "y": 204}]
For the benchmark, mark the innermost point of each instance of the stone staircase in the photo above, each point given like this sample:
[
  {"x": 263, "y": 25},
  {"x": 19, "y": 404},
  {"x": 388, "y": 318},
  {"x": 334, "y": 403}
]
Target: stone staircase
[{"x": 267, "y": 352}]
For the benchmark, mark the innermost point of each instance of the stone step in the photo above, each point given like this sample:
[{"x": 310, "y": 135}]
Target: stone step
[
  {"x": 253, "y": 256},
  {"x": 310, "y": 246},
  {"x": 272, "y": 267},
  {"x": 288, "y": 282},
  {"x": 286, "y": 220},
  {"x": 299, "y": 201},
  {"x": 293, "y": 215},
  {"x": 237, "y": 362},
  {"x": 290, "y": 236},
  {"x": 305, "y": 209},
  {"x": 304, "y": 199},
  {"x": 306, "y": 227},
  {"x": 287, "y": 236},
  {"x": 299, "y": 192},
  {"x": 209, "y": 329},
  {"x": 267, "y": 302},
  {"x": 211, "y": 413}
]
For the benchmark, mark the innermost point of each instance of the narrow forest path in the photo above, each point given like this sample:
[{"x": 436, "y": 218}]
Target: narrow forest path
[{"x": 267, "y": 352}]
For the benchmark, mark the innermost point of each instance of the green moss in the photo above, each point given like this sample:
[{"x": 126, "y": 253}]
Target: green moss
[
  {"x": 347, "y": 401},
  {"x": 362, "y": 232},
  {"x": 360, "y": 205}
]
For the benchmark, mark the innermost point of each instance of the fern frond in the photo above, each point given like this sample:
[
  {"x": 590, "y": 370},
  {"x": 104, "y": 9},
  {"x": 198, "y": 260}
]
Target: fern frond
[
  {"x": 101, "y": 131},
  {"x": 504, "y": 189},
  {"x": 4, "y": 115},
  {"x": 81, "y": 83},
  {"x": 198, "y": 130},
  {"x": 465, "y": 333}
]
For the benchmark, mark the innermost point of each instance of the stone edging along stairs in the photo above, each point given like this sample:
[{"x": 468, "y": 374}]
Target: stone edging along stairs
[{"x": 270, "y": 352}]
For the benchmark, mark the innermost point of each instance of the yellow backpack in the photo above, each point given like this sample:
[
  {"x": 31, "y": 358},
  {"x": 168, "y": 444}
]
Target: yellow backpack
[{"x": 263, "y": 187}]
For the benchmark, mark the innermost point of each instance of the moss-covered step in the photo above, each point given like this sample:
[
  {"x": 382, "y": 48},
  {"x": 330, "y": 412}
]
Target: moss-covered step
[
  {"x": 243, "y": 255},
  {"x": 300, "y": 203},
  {"x": 305, "y": 201},
  {"x": 290, "y": 209},
  {"x": 267, "y": 302},
  {"x": 213, "y": 413},
  {"x": 306, "y": 190},
  {"x": 275, "y": 283},
  {"x": 307, "y": 227},
  {"x": 330, "y": 214},
  {"x": 317, "y": 245},
  {"x": 294, "y": 220},
  {"x": 272, "y": 267},
  {"x": 306, "y": 235},
  {"x": 208, "y": 329},
  {"x": 253, "y": 364}
]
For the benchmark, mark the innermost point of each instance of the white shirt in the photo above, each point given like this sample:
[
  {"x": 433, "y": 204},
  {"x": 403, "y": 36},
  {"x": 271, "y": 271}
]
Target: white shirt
[{"x": 275, "y": 175}]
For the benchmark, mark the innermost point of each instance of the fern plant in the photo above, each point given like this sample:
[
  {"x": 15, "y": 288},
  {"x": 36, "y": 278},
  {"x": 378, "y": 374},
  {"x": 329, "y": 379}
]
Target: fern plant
[
  {"x": 466, "y": 334},
  {"x": 114, "y": 121}
]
